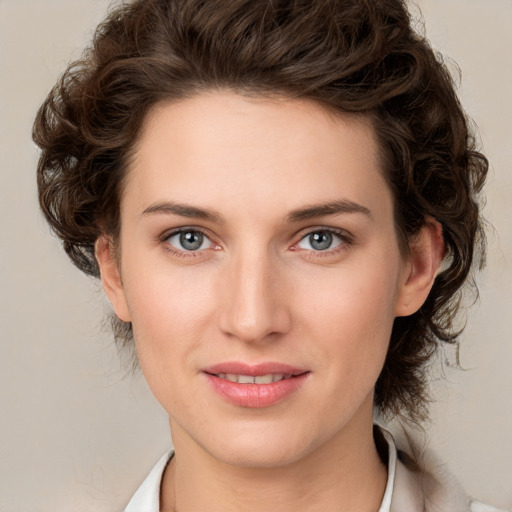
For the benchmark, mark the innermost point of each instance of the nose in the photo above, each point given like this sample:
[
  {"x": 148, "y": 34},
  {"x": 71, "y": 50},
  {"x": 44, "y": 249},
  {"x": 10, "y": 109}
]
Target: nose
[{"x": 255, "y": 299}]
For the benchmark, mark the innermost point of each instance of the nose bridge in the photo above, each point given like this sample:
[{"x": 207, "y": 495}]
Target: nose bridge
[{"x": 254, "y": 305}]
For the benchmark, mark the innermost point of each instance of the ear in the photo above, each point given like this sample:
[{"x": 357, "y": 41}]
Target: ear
[
  {"x": 111, "y": 277},
  {"x": 426, "y": 253}
]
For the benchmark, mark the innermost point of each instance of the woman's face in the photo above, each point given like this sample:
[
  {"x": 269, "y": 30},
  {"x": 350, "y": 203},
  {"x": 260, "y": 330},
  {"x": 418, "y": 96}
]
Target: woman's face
[{"x": 258, "y": 245}]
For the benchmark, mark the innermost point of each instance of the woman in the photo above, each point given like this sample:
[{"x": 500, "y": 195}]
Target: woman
[{"x": 280, "y": 199}]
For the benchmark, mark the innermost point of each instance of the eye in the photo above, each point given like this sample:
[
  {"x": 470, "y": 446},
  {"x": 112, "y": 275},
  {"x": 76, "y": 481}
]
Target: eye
[
  {"x": 321, "y": 240},
  {"x": 189, "y": 240}
]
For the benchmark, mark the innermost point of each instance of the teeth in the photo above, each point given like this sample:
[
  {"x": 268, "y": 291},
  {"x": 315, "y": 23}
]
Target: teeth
[
  {"x": 249, "y": 379},
  {"x": 246, "y": 379},
  {"x": 265, "y": 379}
]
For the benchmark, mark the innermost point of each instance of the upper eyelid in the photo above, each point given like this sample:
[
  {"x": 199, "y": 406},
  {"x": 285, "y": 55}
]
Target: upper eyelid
[
  {"x": 298, "y": 236},
  {"x": 346, "y": 240},
  {"x": 183, "y": 229},
  {"x": 343, "y": 233},
  {"x": 166, "y": 235}
]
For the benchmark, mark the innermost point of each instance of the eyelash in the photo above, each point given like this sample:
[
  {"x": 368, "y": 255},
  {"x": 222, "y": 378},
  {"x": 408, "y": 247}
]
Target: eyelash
[
  {"x": 345, "y": 241},
  {"x": 183, "y": 253}
]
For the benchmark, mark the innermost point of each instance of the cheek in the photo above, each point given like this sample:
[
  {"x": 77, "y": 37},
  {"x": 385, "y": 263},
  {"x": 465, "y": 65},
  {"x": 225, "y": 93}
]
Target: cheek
[
  {"x": 170, "y": 310},
  {"x": 171, "y": 317},
  {"x": 351, "y": 315}
]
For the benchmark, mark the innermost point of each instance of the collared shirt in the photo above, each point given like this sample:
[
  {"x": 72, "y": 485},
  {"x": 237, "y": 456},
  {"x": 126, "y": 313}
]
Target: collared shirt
[{"x": 406, "y": 490}]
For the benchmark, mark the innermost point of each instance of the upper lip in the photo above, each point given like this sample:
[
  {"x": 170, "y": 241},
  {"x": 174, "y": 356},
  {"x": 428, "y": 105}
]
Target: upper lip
[{"x": 254, "y": 370}]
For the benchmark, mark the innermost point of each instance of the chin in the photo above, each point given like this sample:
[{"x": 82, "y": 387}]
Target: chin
[
  {"x": 258, "y": 455},
  {"x": 266, "y": 446}
]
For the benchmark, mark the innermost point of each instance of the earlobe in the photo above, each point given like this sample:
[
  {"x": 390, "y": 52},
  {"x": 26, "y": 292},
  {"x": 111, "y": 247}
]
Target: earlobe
[
  {"x": 426, "y": 255},
  {"x": 111, "y": 277}
]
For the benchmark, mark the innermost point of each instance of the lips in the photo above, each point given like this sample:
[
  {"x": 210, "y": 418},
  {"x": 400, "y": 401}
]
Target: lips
[
  {"x": 268, "y": 378},
  {"x": 255, "y": 386}
]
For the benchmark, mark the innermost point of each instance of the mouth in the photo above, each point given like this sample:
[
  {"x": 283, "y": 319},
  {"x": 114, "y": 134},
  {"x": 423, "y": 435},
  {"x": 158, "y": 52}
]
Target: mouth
[
  {"x": 262, "y": 373},
  {"x": 255, "y": 386},
  {"x": 268, "y": 378}
]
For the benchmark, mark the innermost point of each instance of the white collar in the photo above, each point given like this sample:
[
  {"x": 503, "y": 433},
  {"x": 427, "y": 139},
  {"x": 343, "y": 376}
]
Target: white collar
[
  {"x": 403, "y": 491},
  {"x": 147, "y": 497}
]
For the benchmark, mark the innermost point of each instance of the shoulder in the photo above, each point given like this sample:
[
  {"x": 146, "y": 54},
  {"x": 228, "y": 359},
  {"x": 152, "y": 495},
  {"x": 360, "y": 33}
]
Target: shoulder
[
  {"x": 420, "y": 470},
  {"x": 477, "y": 506}
]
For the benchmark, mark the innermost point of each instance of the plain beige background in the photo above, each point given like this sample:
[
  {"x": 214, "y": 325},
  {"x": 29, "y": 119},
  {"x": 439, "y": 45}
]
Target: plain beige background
[{"x": 76, "y": 435}]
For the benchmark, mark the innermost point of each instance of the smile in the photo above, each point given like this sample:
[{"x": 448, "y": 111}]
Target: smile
[
  {"x": 251, "y": 379},
  {"x": 255, "y": 386}
]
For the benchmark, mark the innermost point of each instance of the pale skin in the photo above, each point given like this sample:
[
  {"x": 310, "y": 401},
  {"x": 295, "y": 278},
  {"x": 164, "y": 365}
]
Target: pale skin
[{"x": 257, "y": 183}]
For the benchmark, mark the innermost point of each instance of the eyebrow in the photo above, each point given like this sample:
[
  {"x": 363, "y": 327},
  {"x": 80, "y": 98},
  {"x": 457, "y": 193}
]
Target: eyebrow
[
  {"x": 330, "y": 208},
  {"x": 299, "y": 215},
  {"x": 183, "y": 210}
]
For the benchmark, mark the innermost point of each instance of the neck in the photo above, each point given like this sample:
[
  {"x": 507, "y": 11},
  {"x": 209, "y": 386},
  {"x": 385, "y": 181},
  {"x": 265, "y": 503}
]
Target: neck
[{"x": 345, "y": 473}]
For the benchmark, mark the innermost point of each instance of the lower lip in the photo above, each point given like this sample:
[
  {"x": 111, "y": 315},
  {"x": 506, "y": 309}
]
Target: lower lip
[{"x": 256, "y": 395}]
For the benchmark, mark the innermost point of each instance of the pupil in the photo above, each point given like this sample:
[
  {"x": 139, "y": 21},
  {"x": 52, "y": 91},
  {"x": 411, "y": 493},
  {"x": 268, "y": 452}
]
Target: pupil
[
  {"x": 320, "y": 240},
  {"x": 191, "y": 240}
]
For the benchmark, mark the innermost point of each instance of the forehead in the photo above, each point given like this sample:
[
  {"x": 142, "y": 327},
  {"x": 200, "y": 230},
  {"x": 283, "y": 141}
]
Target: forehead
[{"x": 222, "y": 149}]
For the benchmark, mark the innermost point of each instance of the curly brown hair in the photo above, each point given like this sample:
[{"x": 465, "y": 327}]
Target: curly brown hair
[{"x": 358, "y": 56}]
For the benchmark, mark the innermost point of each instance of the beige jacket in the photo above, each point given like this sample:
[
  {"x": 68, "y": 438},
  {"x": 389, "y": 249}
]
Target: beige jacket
[{"x": 429, "y": 489}]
